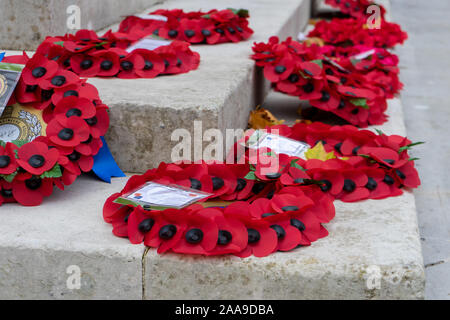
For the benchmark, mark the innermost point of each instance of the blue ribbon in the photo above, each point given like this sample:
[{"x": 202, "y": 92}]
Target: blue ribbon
[
  {"x": 2, "y": 55},
  {"x": 105, "y": 167}
]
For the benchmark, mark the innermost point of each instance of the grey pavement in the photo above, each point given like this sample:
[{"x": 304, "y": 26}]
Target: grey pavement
[{"x": 425, "y": 69}]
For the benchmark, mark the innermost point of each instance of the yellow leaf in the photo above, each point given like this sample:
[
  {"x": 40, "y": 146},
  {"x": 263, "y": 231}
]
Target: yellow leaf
[
  {"x": 315, "y": 40},
  {"x": 262, "y": 118},
  {"x": 318, "y": 152}
]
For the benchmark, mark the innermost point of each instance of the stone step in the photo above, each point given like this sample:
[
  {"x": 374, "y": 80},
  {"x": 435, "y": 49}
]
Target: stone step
[
  {"x": 42, "y": 248},
  {"x": 25, "y": 23}
]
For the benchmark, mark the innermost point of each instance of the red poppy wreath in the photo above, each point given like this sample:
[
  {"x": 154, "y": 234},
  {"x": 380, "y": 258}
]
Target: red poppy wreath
[
  {"x": 255, "y": 209},
  {"x": 355, "y": 8},
  {"x": 118, "y": 55},
  {"x": 354, "y": 84},
  {"x": 212, "y": 27},
  {"x": 62, "y": 120}
]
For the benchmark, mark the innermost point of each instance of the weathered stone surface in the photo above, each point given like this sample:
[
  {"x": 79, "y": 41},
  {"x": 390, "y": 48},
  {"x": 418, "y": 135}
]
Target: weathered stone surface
[
  {"x": 26, "y": 23},
  {"x": 38, "y": 245},
  {"x": 365, "y": 237},
  {"x": 220, "y": 93}
]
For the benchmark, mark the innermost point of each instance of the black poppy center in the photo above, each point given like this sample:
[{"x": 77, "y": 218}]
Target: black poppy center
[
  {"x": 390, "y": 161},
  {"x": 217, "y": 183},
  {"x": 58, "y": 81},
  {"x": 280, "y": 69},
  {"x": 400, "y": 174},
  {"x": 206, "y": 32},
  {"x": 293, "y": 78},
  {"x": 258, "y": 187},
  {"x": 39, "y": 72},
  {"x": 74, "y": 156},
  {"x": 172, "y": 33},
  {"x": 371, "y": 184},
  {"x": 253, "y": 236},
  {"x": 4, "y": 161},
  {"x": 224, "y": 238},
  {"x": 325, "y": 96},
  {"x": 355, "y": 150},
  {"x": 33, "y": 183},
  {"x": 266, "y": 215},
  {"x": 289, "y": 208},
  {"x": 126, "y": 65},
  {"x": 241, "y": 184},
  {"x": 279, "y": 230},
  {"x": 349, "y": 185},
  {"x": 73, "y": 113},
  {"x": 189, "y": 33},
  {"x": 341, "y": 104},
  {"x": 167, "y": 232},
  {"x": 308, "y": 88},
  {"x": 86, "y": 64},
  {"x": 388, "y": 180},
  {"x": 298, "y": 224},
  {"x": 299, "y": 180},
  {"x": 220, "y": 31},
  {"x": 36, "y": 161},
  {"x": 65, "y": 134},
  {"x": 146, "y": 225},
  {"x": 195, "y": 184},
  {"x": 92, "y": 121},
  {"x": 275, "y": 175},
  {"x": 148, "y": 65},
  {"x": 31, "y": 88},
  {"x": 6, "y": 193},
  {"x": 326, "y": 185},
  {"x": 106, "y": 65},
  {"x": 338, "y": 146},
  {"x": 194, "y": 236},
  {"x": 70, "y": 93}
]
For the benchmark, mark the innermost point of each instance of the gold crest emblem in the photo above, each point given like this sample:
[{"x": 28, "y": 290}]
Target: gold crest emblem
[
  {"x": 21, "y": 123},
  {"x": 3, "y": 85}
]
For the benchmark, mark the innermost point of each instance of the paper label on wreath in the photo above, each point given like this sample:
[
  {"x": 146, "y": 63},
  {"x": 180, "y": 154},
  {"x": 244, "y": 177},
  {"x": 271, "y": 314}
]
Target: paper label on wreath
[
  {"x": 278, "y": 144},
  {"x": 363, "y": 55},
  {"x": 21, "y": 123},
  {"x": 9, "y": 77},
  {"x": 160, "y": 196},
  {"x": 150, "y": 43},
  {"x": 151, "y": 17}
]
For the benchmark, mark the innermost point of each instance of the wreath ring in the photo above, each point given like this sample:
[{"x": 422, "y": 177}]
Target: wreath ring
[{"x": 52, "y": 129}]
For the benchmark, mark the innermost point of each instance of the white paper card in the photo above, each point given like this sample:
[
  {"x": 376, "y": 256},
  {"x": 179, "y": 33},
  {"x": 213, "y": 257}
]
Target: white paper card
[
  {"x": 148, "y": 43},
  {"x": 278, "y": 144},
  {"x": 156, "y": 194},
  {"x": 363, "y": 55},
  {"x": 151, "y": 17}
]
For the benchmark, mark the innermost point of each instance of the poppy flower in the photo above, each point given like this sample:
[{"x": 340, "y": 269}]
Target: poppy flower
[
  {"x": 8, "y": 164},
  {"x": 26, "y": 93},
  {"x": 6, "y": 194},
  {"x": 85, "y": 65},
  {"x": 232, "y": 234},
  {"x": 38, "y": 69},
  {"x": 294, "y": 176},
  {"x": 60, "y": 79},
  {"x": 31, "y": 192},
  {"x": 153, "y": 64},
  {"x": 354, "y": 188},
  {"x": 129, "y": 64},
  {"x": 68, "y": 132},
  {"x": 201, "y": 235},
  {"x": 279, "y": 71},
  {"x": 36, "y": 157},
  {"x": 261, "y": 239},
  {"x": 408, "y": 175},
  {"x": 73, "y": 106}
]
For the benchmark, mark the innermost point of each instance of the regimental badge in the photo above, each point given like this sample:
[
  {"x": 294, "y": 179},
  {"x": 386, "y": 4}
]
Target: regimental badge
[
  {"x": 9, "y": 76},
  {"x": 21, "y": 123}
]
